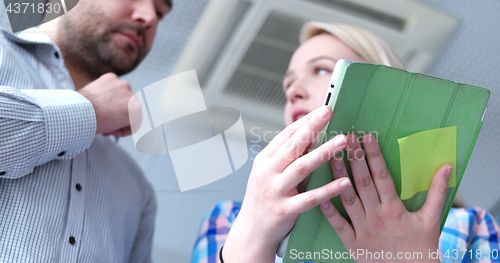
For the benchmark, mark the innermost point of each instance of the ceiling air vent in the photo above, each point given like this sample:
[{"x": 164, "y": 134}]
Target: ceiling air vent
[{"x": 241, "y": 48}]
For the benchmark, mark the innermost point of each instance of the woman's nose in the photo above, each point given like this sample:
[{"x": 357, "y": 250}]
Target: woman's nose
[{"x": 297, "y": 91}]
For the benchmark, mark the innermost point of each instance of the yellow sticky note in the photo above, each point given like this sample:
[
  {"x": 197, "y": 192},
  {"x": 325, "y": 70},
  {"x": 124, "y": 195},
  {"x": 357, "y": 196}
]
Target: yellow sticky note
[{"x": 421, "y": 156}]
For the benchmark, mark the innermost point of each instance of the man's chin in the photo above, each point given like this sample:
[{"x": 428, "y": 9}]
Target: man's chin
[
  {"x": 120, "y": 59},
  {"x": 122, "y": 70},
  {"x": 129, "y": 55},
  {"x": 124, "y": 64}
]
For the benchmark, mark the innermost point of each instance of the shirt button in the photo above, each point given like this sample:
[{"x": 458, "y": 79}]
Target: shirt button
[
  {"x": 78, "y": 187},
  {"x": 2, "y": 173},
  {"x": 72, "y": 240},
  {"x": 56, "y": 54},
  {"x": 61, "y": 153}
]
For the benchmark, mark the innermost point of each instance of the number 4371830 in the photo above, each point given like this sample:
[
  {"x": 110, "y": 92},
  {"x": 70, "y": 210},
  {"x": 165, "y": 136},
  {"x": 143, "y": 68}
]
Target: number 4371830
[{"x": 32, "y": 8}]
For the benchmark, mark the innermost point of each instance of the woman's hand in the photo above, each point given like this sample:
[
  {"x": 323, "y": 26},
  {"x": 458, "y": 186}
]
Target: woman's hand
[
  {"x": 380, "y": 221},
  {"x": 272, "y": 202}
]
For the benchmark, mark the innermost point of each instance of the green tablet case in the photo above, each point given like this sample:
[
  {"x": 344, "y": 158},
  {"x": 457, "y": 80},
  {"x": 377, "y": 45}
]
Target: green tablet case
[{"x": 396, "y": 104}]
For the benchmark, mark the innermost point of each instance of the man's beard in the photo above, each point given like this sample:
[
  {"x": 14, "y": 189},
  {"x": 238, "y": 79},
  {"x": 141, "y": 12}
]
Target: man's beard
[{"x": 86, "y": 41}]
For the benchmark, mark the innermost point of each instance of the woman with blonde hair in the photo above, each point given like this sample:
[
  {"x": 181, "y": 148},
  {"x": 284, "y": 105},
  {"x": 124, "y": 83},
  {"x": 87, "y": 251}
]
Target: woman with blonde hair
[{"x": 252, "y": 230}]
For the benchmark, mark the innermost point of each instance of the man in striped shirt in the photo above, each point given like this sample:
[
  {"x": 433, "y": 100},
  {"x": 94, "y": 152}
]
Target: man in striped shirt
[{"x": 67, "y": 192}]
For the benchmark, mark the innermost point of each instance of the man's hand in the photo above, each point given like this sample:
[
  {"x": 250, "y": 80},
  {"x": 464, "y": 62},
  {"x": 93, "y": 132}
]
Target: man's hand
[{"x": 110, "y": 98}]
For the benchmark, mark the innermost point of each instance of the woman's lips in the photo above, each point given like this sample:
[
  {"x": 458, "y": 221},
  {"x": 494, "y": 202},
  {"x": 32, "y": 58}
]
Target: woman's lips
[{"x": 299, "y": 113}]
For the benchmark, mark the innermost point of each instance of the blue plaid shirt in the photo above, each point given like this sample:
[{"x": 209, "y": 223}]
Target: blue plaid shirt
[
  {"x": 469, "y": 235},
  {"x": 66, "y": 194}
]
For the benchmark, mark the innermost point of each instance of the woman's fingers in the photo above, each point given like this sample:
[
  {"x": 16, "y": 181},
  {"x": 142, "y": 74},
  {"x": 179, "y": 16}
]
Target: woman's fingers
[
  {"x": 303, "y": 202},
  {"x": 349, "y": 198},
  {"x": 343, "y": 229},
  {"x": 284, "y": 135},
  {"x": 437, "y": 193},
  {"x": 295, "y": 146},
  {"x": 303, "y": 166},
  {"x": 378, "y": 169},
  {"x": 362, "y": 178}
]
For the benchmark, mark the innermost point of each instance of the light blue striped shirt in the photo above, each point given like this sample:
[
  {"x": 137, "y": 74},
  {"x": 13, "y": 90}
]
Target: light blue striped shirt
[{"x": 66, "y": 194}]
